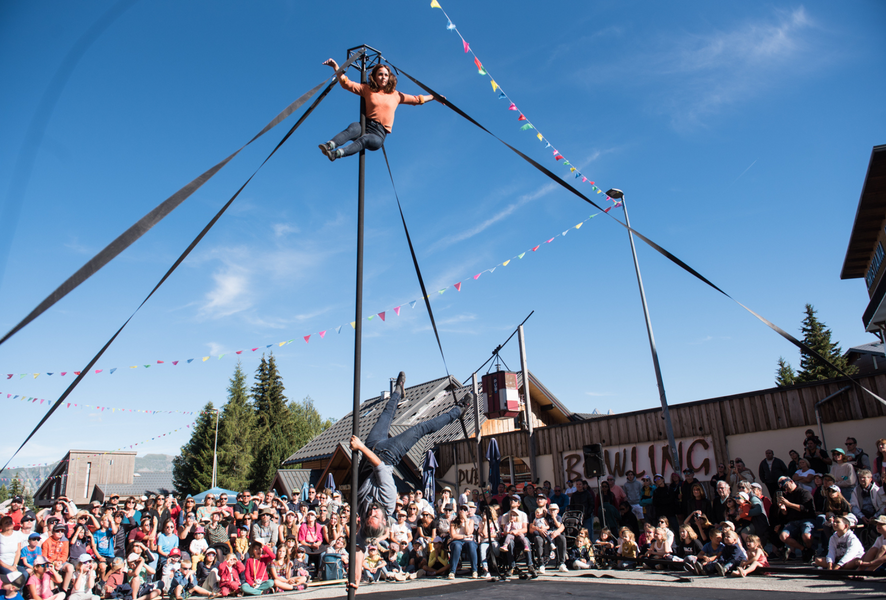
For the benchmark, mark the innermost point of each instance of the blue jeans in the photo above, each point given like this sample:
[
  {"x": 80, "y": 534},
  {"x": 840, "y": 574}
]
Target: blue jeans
[
  {"x": 373, "y": 140},
  {"x": 391, "y": 450},
  {"x": 456, "y": 547}
]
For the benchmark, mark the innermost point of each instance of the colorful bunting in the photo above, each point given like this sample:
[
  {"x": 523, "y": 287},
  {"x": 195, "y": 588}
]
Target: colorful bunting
[{"x": 457, "y": 286}]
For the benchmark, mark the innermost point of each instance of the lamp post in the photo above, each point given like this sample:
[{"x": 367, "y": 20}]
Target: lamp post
[
  {"x": 215, "y": 450},
  {"x": 619, "y": 195}
]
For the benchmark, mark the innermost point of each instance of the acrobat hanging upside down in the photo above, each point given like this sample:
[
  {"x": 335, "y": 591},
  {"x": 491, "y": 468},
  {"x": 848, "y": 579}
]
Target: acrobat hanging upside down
[{"x": 382, "y": 99}]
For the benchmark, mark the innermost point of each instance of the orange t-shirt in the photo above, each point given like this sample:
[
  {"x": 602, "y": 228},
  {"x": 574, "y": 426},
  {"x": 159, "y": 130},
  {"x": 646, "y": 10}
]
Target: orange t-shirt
[
  {"x": 379, "y": 105},
  {"x": 55, "y": 551}
]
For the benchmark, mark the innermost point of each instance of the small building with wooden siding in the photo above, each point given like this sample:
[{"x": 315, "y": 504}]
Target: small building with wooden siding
[
  {"x": 80, "y": 471},
  {"x": 716, "y": 429}
]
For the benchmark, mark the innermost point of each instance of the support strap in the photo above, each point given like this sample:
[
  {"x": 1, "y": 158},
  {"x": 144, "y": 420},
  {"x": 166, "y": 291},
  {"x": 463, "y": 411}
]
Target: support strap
[
  {"x": 421, "y": 281},
  {"x": 174, "y": 266},
  {"x": 799, "y": 344},
  {"x": 143, "y": 225}
]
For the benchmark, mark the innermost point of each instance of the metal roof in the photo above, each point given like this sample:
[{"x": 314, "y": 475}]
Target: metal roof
[
  {"x": 143, "y": 484},
  {"x": 292, "y": 480}
]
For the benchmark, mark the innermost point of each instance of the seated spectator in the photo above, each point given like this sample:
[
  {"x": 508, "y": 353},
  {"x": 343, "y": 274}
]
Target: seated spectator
[
  {"x": 843, "y": 472},
  {"x": 44, "y": 580},
  {"x": 446, "y": 499},
  {"x": 282, "y": 575},
  {"x": 793, "y": 465},
  {"x": 729, "y": 557},
  {"x": 860, "y": 459},
  {"x": 659, "y": 549},
  {"x": 804, "y": 475},
  {"x": 487, "y": 537},
  {"x": 373, "y": 565},
  {"x": 756, "y": 557},
  {"x": 514, "y": 528},
  {"x": 31, "y": 551},
  {"x": 795, "y": 512},
  {"x": 710, "y": 551},
  {"x": 627, "y": 548},
  {"x": 266, "y": 532},
  {"x": 739, "y": 473},
  {"x": 581, "y": 555},
  {"x": 628, "y": 518},
  {"x": 255, "y": 573},
  {"x": 184, "y": 583},
  {"x": 189, "y": 507},
  {"x": 875, "y": 557},
  {"x": 687, "y": 547},
  {"x": 207, "y": 571},
  {"x": 844, "y": 549},
  {"x": 604, "y": 548},
  {"x": 229, "y": 575},
  {"x": 84, "y": 580},
  {"x": 879, "y": 466},
  {"x": 817, "y": 457}
]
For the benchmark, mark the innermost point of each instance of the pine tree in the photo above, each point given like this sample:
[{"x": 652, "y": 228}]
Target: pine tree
[
  {"x": 785, "y": 375},
  {"x": 17, "y": 487},
  {"x": 272, "y": 422},
  {"x": 236, "y": 435},
  {"x": 818, "y": 337},
  {"x": 192, "y": 469},
  {"x": 4, "y": 493},
  {"x": 307, "y": 423}
]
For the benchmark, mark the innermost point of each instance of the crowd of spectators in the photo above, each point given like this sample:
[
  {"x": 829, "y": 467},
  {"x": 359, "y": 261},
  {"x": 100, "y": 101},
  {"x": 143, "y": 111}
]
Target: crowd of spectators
[{"x": 823, "y": 507}]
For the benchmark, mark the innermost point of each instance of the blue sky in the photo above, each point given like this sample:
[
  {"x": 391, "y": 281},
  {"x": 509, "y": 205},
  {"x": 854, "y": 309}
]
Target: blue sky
[{"x": 740, "y": 133}]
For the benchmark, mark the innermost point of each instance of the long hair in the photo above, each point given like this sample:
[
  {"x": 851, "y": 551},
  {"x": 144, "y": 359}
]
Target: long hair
[{"x": 392, "y": 80}]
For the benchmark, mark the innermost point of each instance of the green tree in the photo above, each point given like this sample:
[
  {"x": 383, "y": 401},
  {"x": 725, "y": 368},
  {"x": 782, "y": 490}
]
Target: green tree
[
  {"x": 17, "y": 487},
  {"x": 307, "y": 423},
  {"x": 236, "y": 435},
  {"x": 272, "y": 423},
  {"x": 192, "y": 469},
  {"x": 4, "y": 493},
  {"x": 785, "y": 375},
  {"x": 818, "y": 337}
]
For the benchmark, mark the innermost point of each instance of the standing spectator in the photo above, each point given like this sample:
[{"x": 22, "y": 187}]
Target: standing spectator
[
  {"x": 616, "y": 490},
  {"x": 843, "y": 472},
  {"x": 818, "y": 458},
  {"x": 862, "y": 460},
  {"x": 689, "y": 481},
  {"x": 571, "y": 487},
  {"x": 879, "y": 470},
  {"x": 720, "y": 475},
  {"x": 528, "y": 502},
  {"x": 581, "y": 499},
  {"x": 633, "y": 491},
  {"x": 559, "y": 498},
  {"x": 804, "y": 476},
  {"x": 740, "y": 473},
  {"x": 794, "y": 464},
  {"x": 771, "y": 468},
  {"x": 662, "y": 504}
]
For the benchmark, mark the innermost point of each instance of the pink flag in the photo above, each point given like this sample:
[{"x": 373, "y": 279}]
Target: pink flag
[
  {"x": 536, "y": 248},
  {"x": 174, "y": 363},
  {"x": 583, "y": 179},
  {"x": 512, "y": 106},
  {"x": 159, "y": 362},
  {"x": 558, "y": 156},
  {"x": 467, "y": 47},
  {"x": 457, "y": 286},
  {"x": 521, "y": 117},
  {"x": 382, "y": 315},
  {"x": 550, "y": 240},
  {"x": 238, "y": 352},
  {"x": 477, "y": 276},
  {"x": 76, "y": 372},
  {"x": 397, "y": 310},
  {"x": 322, "y": 334},
  {"x": 307, "y": 337},
  {"x": 254, "y": 349},
  {"x": 97, "y": 371}
]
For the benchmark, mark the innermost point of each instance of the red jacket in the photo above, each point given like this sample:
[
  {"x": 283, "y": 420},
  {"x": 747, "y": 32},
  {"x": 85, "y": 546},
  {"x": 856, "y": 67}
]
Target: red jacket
[
  {"x": 229, "y": 575},
  {"x": 257, "y": 568}
]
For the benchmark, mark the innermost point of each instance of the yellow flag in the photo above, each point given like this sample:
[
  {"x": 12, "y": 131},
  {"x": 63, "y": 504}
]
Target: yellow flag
[
  {"x": 572, "y": 168},
  {"x": 205, "y": 358},
  {"x": 505, "y": 263},
  {"x": 281, "y": 344},
  {"x": 435, "y": 4},
  {"x": 494, "y": 85},
  {"x": 353, "y": 325},
  {"x": 539, "y": 136},
  {"x": 579, "y": 225}
]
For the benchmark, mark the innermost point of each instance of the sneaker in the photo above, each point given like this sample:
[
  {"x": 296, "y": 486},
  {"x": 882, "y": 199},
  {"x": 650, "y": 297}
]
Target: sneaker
[
  {"x": 420, "y": 574},
  {"x": 465, "y": 402},
  {"x": 484, "y": 572},
  {"x": 541, "y": 570},
  {"x": 401, "y": 383},
  {"x": 474, "y": 575},
  {"x": 452, "y": 576},
  {"x": 699, "y": 569},
  {"x": 562, "y": 568},
  {"x": 721, "y": 570},
  {"x": 324, "y": 149},
  {"x": 412, "y": 575},
  {"x": 786, "y": 553}
]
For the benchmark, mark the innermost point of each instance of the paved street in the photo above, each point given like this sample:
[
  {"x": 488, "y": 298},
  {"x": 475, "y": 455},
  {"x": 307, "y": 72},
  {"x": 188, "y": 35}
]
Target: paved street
[{"x": 627, "y": 585}]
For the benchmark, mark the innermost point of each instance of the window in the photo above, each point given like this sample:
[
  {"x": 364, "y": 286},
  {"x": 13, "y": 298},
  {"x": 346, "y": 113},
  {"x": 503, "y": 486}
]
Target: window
[
  {"x": 514, "y": 471},
  {"x": 876, "y": 261}
]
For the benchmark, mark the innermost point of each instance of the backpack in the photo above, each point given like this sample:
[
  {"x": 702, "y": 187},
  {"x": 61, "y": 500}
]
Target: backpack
[{"x": 333, "y": 567}]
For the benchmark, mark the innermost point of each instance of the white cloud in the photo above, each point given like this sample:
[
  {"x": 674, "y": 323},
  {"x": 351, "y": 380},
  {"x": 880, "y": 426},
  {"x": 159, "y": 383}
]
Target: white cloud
[
  {"x": 281, "y": 229},
  {"x": 709, "y": 71},
  {"x": 230, "y": 294}
]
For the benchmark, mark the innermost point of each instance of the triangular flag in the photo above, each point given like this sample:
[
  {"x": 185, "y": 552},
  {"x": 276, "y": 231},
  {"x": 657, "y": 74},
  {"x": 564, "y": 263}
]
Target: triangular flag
[
  {"x": 457, "y": 286},
  {"x": 502, "y": 96},
  {"x": 382, "y": 315},
  {"x": 254, "y": 349},
  {"x": 443, "y": 290},
  {"x": 521, "y": 255},
  {"x": 205, "y": 358},
  {"x": 480, "y": 68},
  {"x": 539, "y": 136},
  {"x": 583, "y": 179},
  {"x": 527, "y": 126},
  {"x": 570, "y": 168},
  {"x": 565, "y": 232},
  {"x": 608, "y": 209},
  {"x": 412, "y": 304},
  {"x": 492, "y": 270},
  {"x": 505, "y": 263},
  {"x": 550, "y": 240},
  {"x": 76, "y": 372},
  {"x": 522, "y": 117},
  {"x": 397, "y": 310},
  {"x": 477, "y": 276},
  {"x": 149, "y": 366},
  {"x": 494, "y": 85},
  {"x": 370, "y": 317},
  {"x": 579, "y": 225},
  {"x": 112, "y": 370},
  {"x": 353, "y": 325},
  {"x": 50, "y": 374},
  {"x": 547, "y": 144},
  {"x": 536, "y": 248},
  {"x": 307, "y": 337},
  {"x": 577, "y": 175},
  {"x": 338, "y": 329},
  {"x": 97, "y": 371},
  {"x": 467, "y": 47},
  {"x": 450, "y": 26},
  {"x": 435, "y": 4},
  {"x": 322, "y": 334},
  {"x": 513, "y": 107},
  {"x": 220, "y": 356},
  {"x": 558, "y": 156},
  {"x": 281, "y": 344},
  {"x": 189, "y": 360},
  {"x": 159, "y": 362},
  {"x": 237, "y": 352}
]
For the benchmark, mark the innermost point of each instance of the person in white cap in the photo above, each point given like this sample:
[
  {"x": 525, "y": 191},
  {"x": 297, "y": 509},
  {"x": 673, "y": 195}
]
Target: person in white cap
[
  {"x": 84, "y": 579},
  {"x": 843, "y": 548},
  {"x": 44, "y": 580},
  {"x": 875, "y": 557}
]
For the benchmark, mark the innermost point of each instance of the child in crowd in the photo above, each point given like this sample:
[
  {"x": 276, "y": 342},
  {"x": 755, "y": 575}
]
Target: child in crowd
[
  {"x": 399, "y": 560},
  {"x": 255, "y": 572},
  {"x": 282, "y": 573},
  {"x": 582, "y": 552},
  {"x": 729, "y": 557},
  {"x": 604, "y": 548},
  {"x": 843, "y": 546},
  {"x": 709, "y": 551},
  {"x": 229, "y": 575},
  {"x": 541, "y": 524},
  {"x": 184, "y": 583},
  {"x": 511, "y": 529},
  {"x": 208, "y": 566},
  {"x": 756, "y": 557},
  {"x": 31, "y": 551},
  {"x": 688, "y": 547},
  {"x": 659, "y": 549},
  {"x": 393, "y": 570},
  {"x": 240, "y": 544},
  {"x": 199, "y": 545},
  {"x": 646, "y": 537},
  {"x": 373, "y": 565},
  {"x": 627, "y": 548}
]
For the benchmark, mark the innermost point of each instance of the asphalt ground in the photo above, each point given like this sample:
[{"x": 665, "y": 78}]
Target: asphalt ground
[{"x": 607, "y": 584}]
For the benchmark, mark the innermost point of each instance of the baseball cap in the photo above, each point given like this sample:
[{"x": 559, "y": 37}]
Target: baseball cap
[
  {"x": 133, "y": 557},
  {"x": 34, "y": 536},
  {"x": 744, "y": 496},
  {"x": 838, "y": 451},
  {"x": 213, "y": 550},
  {"x": 95, "y": 503},
  {"x": 881, "y": 520},
  {"x": 175, "y": 552},
  {"x": 60, "y": 527},
  {"x": 40, "y": 560},
  {"x": 199, "y": 529},
  {"x": 834, "y": 488},
  {"x": 15, "y": 578},
  {"x": 18, "y": 499},
  {"x": 757, "y": 485},
  {"x": 28, "y": 517},
  {"x": 84, "y": 558},
  {"x": 783, "y": 479},
  {"x": 540, "y": 495}
]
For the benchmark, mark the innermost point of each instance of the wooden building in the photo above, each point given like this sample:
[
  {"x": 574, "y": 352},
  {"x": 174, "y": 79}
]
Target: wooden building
[
  {"x": 708, "y": 432},
  {"x": 77, "y": 474}
]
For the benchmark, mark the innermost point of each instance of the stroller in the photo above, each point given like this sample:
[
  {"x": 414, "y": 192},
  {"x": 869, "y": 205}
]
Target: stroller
[{"x": 572, "y": 520}]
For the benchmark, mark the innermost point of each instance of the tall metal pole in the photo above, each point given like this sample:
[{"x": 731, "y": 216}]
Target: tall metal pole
[
  {"x": 476, "y": 389},
  {"x": 661, "y": 389},
  {"x": 533, "y": 470},
  {"x": 358, "y": 330},
  {"x": 215, "y": 450}
]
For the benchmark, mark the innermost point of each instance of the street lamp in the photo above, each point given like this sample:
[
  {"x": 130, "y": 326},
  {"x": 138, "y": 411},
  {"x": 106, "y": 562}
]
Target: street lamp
[{"x": 619, "y": 195}]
